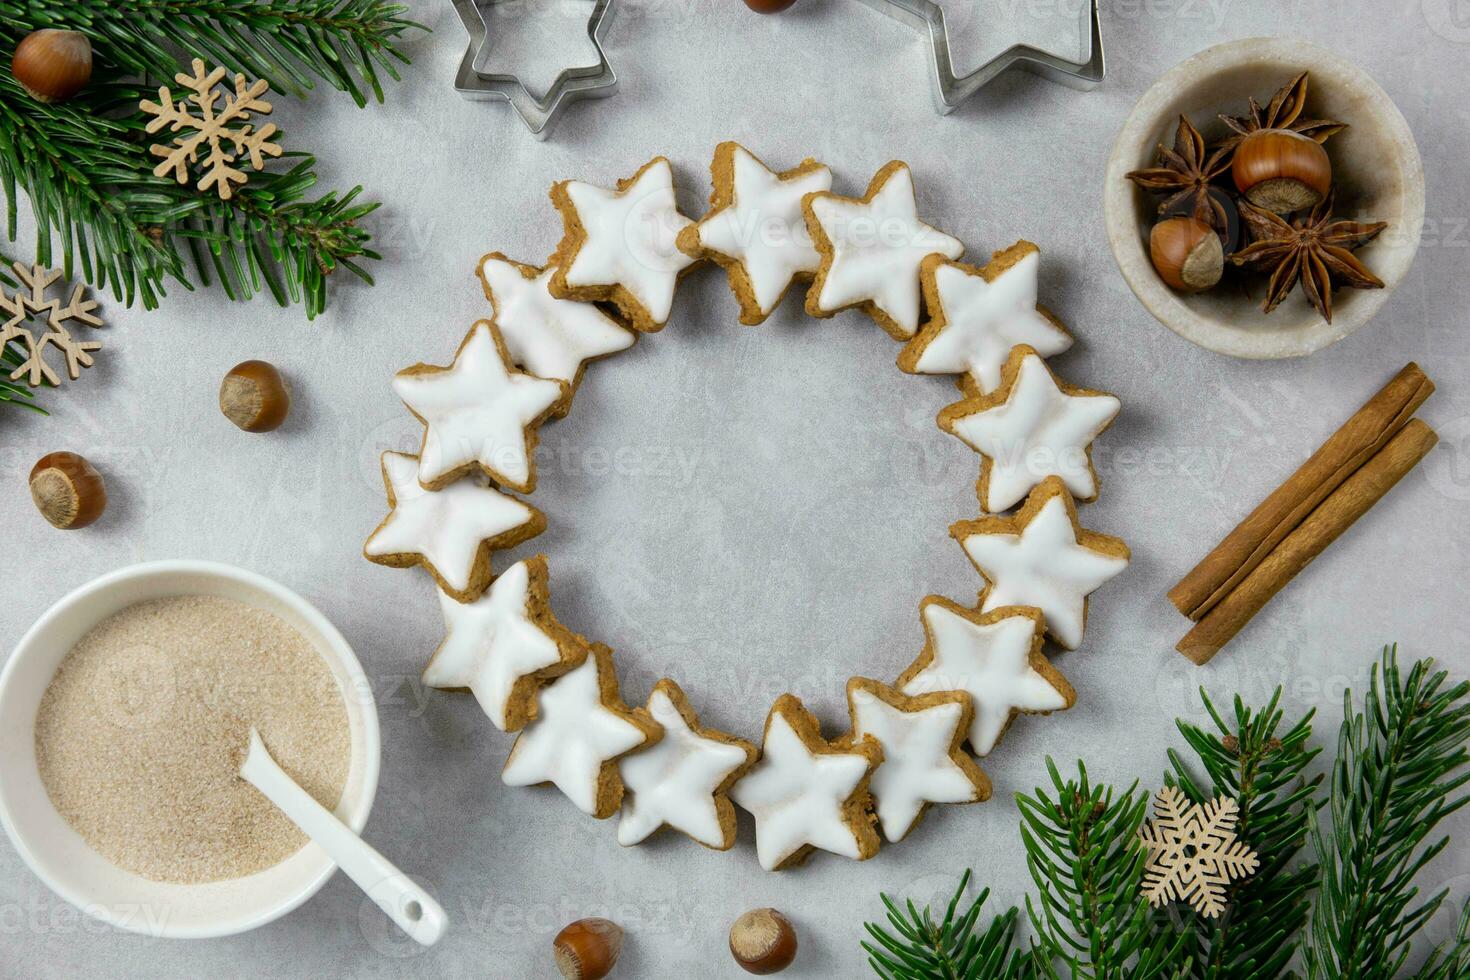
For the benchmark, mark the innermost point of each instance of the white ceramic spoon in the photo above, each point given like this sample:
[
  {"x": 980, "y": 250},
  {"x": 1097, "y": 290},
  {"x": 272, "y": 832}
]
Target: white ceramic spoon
[{"x": 401, "y": 900}]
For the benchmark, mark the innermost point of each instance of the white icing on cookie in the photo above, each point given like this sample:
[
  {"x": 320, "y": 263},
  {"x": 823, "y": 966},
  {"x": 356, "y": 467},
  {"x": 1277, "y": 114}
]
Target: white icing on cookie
[
  {"x": 549, "y": 337},
  {"x": 573, "y": 736},
  {"x": 476, "y": 412},
  {"x": 445, "y": 527},
  {"x": 1038, "y": 431},
  {"x": 992, "y": 663},
  {"x": 984, "y": 320},
  {"x": 917, "y": 767},
  {"x": 491, "y": 643},
  {"x": 1045, "y": 567},
  {"x": 675, "y": 781},
  {"x": 763, "y": 226},
  {"x": 797, "y": 797},
  {"x": 630, "y": 238},
  {"x": 877, "y": 248}
]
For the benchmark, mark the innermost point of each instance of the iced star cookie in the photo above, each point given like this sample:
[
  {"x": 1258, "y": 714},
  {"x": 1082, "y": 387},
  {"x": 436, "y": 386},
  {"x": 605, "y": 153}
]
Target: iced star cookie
[
  {"x": 872, "y": 248},
  {"x": 684, "y": 781},
  {"x": 994, "y": 657},
  {"x": 977, "y": 314},
  {"x": 756, "y": 229},
  {"x": 923, "y": 762},
  {"x": 619, "y": 245},
  {"x": 450, "y": 532},
  {"x": 581, "y": 731},
  {"x": 503, "y": 646},
  {"x": 807, "y": 793},
  {"x": 1042, "y": 557},
  {"x": 478, "y": 413},
  {"x": 1033, "y": 426},
  {"x": 548, "y": 337}
]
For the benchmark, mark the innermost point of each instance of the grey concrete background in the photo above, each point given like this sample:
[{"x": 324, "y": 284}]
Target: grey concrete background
[{"x": 754, "y": 510}]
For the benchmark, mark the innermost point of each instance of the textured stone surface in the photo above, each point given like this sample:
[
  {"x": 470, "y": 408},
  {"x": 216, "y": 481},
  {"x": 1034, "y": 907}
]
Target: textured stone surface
[{"x": 753, "y": 510}]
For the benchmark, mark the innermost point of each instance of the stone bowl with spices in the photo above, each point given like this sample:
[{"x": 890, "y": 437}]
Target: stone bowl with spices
[
  {"x": 1264, "y": 198},
  {"x": 123, "y": 712}
]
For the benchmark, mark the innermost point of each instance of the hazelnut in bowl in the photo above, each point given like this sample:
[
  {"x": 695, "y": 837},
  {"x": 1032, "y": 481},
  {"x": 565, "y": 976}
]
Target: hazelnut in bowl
[{"x": 1263, "y": 198}]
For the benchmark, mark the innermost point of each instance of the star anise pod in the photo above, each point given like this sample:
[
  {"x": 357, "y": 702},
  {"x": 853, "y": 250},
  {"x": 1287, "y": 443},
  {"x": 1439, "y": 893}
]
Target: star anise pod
[
  {"x": 1185, "y": 173},
  {"x": 1282, "y": 112},
  {"x": 1313, "y": 249}
]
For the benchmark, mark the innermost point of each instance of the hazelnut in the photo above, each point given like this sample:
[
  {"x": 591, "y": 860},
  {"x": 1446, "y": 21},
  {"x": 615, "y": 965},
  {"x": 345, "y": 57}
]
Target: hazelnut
[
  {"x": 67, "y": 490},
  {"x": 763, "y": 942},
  {"x": 254, "y": 397},
  {"x": 588, "y": 949},
  {"x": 1281, "y": 171},
  {"x": 1186, "y": 253},
  {"x": 53, "y": 65}
]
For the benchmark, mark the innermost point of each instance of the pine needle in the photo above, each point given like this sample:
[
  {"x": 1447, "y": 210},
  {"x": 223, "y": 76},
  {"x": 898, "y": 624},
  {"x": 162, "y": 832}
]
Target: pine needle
[
  {"x": 1401, "y": 768},
  {"x": 99, "y": 212}
]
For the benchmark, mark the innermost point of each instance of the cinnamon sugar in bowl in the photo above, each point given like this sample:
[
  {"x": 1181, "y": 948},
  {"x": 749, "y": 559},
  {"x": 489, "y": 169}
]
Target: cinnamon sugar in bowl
[{"x": 119, "y": 711}]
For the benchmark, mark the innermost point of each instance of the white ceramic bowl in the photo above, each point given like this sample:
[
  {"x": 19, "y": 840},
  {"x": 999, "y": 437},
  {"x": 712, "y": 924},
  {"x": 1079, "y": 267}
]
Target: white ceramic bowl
[
  {"x": 59, "y": 856},
  {"x": 1379, "y": 177}
]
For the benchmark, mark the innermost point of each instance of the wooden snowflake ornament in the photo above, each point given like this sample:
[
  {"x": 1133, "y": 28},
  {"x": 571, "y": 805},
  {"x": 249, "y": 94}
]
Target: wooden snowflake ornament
[
  {"x": 1193, "y": 853},
  {"x": 212, "y": 129},
  {"x": 29, "y": 306}
]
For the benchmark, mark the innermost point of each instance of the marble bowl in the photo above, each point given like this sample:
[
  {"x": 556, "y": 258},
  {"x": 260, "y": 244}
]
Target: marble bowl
[{"x": 1376, "y": 165}]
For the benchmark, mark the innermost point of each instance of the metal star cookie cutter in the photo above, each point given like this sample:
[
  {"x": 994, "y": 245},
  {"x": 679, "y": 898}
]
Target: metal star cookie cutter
[
  {"x": 927, "y": 17},
  {"x": 572, "y": 85}
]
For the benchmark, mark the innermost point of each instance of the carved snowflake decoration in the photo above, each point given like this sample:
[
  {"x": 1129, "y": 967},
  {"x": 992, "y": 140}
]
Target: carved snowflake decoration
[
  {"x": 1193, "y": 853},
  {"x": 212, "y": 129},
  {"x": 29, "y": 306}
]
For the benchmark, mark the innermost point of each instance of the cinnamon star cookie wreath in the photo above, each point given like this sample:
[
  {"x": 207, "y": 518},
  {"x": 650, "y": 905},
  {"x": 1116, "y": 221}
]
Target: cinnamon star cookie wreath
[{"x": 623, "y": 253}]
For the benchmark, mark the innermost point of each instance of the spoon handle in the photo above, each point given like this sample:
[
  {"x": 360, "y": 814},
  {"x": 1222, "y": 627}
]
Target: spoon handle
[{"x": 412, "y": 908}]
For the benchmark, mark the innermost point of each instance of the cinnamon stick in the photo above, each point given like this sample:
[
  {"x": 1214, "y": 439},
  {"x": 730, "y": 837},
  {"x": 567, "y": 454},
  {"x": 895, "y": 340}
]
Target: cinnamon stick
[
  {"x": 1359, "y": 438},
  {"x": 1350, "y": 501}
]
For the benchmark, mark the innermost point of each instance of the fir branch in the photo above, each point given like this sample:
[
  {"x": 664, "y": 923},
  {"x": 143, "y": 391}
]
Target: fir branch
[
  {"x": 1249, "y": 760},
  {"x": 290, "y": 43},
  {"x": 1399, "y": 771},
  {"x": 89, "y": 188},
  {"x": 269, "y": 235},
  {"x": 93, "y": 191},
  {"x": 1083, "y": 851},
  {"x": 99, "y": 210},
  {"x": 918, "y": 948}
]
